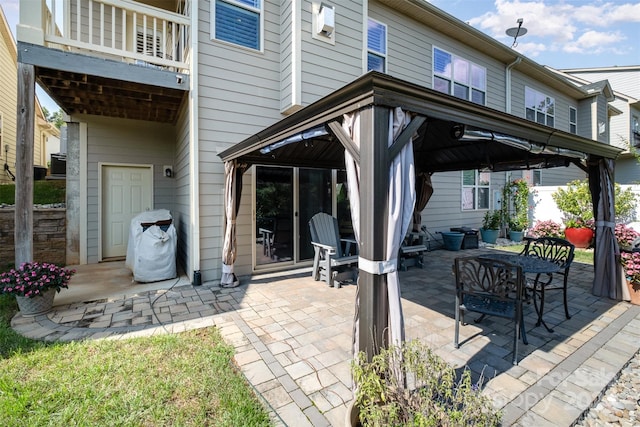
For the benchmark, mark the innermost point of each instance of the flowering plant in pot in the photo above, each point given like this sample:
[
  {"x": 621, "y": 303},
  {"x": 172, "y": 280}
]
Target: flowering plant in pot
[
  {"x": 626, "y": 236},
  {"x": 630, "y": 262},
  {"x": 34, "y": 284}
]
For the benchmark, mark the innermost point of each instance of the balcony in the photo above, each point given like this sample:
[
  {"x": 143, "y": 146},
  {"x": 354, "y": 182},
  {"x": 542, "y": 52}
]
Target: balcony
[{"x": 116, "y": 58}]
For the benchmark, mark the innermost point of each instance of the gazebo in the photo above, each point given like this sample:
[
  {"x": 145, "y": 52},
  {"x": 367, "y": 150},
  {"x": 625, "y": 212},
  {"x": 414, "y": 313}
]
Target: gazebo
[{"x": 388, "y": 133}]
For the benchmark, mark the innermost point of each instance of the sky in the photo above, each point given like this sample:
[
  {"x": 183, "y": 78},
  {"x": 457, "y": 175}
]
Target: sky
[{"x": 560, "y": 33}]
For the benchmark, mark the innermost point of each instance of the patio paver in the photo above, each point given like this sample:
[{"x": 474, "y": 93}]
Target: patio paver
[{"x": 293, "y": 338}]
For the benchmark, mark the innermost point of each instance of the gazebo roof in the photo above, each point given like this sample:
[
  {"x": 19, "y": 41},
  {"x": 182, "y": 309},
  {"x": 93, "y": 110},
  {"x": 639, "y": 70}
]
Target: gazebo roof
[{"x": 455, "y": 134}]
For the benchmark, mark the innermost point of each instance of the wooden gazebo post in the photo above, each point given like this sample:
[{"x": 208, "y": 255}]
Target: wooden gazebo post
[
  {"x": 374, "y": 184},
  {"x": 23, "y": 227}
]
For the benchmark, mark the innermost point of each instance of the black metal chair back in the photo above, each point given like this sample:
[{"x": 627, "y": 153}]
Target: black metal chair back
[
  {"x": 489, "y": 287},
  {"x": 558, "y": 251}
]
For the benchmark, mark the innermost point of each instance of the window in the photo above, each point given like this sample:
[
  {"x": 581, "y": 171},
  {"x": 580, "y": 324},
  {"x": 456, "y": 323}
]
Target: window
[
  {"x": 238, "y": 22},
  {"x": 145, "y": 43},
  {"x": 573, "y": 120},
  {"x": 475, "y": 190},
  {"x": 458, "y": 77},
  {"x": 376, "y": 46},
  {"x": 533, "y": 177},
  {"x": 539, "y": 107}
]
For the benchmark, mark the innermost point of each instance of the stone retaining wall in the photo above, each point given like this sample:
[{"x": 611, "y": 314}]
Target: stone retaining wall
[{"x": 49, "y": 236}]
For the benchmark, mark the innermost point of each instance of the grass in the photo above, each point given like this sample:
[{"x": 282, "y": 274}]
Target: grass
[
  {"x": 184, "y": 379},
  {"x": 44, "y": 192},
  {"x": 584, "y": 256}
]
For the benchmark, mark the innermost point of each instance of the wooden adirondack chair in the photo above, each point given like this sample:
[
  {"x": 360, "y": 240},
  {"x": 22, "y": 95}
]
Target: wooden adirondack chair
[{"x": 329, "y": 258}]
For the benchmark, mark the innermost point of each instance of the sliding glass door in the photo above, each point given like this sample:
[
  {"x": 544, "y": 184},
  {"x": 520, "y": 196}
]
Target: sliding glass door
[{"x": 285, "y": 201}]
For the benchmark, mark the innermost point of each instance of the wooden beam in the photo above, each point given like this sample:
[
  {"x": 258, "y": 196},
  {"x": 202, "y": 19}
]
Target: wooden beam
[{"x": 24, "y": 164}]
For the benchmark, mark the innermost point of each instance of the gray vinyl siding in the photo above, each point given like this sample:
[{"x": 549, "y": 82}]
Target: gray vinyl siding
[
  {"x": 561, "y": 176},
  {"x": 122, "y": 141},
  {"x": 619, "y": 132},
  {"x": 239, "y": 94},
  {"x": 627, "y": 170},
  {"x": 182, "y": 201},
  {"x": 325, "y": 66},
  {"x": 444, "y": 209},
  {"x": 623, "y": 81},
  {"x": 562, "y": 102},
  {"x": 410, "y": 51}
]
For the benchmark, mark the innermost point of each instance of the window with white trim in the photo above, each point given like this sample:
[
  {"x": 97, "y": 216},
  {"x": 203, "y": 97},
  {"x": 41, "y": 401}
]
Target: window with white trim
[
  {"x": 539, "y": 108},
  {"x": 475, "y": 190},
  {"x": 376, "y": 46},
  {"x": 459, "y": 77},
  {"x": 238, "y": 22},
  {"x": 573, "y": 120}
]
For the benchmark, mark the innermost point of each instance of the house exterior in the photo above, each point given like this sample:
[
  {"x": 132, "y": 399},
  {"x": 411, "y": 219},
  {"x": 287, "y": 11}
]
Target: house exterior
[
  {"x": 154, "y": 91},
  {"x": 43, "y": 130},
  {"x": 625, "y": 126}
]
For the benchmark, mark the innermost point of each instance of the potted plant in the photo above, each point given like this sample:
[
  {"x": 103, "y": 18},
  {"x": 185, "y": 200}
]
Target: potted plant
[
  {"x": 436, "y": 395},
  {"x": 627, "y": 238},
  {"x": 575, "y": 203},
  {"x": 34, "y": 285},
  {"x": 490, "y": 226},
  {"x": 515, "y": 208},
  {"x": 517, "y": 226}
]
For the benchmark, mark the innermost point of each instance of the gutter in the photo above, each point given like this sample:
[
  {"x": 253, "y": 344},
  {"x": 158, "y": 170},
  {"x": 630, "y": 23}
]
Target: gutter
[
  {"x": 507, "y": 83},
  {"x": 194, "y": 158}
]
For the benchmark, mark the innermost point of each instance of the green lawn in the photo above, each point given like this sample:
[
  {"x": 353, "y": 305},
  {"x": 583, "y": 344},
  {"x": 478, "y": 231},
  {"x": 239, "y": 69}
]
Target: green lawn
[
  {"x": 44, "y": 192},
  {"x": 185, "y": 379},
  {"x": 584, "y": 256}
]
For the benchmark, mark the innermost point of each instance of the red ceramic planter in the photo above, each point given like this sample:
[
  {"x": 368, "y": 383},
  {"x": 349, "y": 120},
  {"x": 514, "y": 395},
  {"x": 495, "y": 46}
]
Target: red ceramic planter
[{"x": 579, "y": 237}]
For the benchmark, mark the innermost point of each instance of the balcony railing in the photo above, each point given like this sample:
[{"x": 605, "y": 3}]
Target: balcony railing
[{"x": 120, "y": 29}]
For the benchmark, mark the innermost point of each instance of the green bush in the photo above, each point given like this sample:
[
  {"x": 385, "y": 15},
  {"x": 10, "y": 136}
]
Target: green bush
[
  {"x": 437, "y": 396},
  {"x": 575, "y": 202}
]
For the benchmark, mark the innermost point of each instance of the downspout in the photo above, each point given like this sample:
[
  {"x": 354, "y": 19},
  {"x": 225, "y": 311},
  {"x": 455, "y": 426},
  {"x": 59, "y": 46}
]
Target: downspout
[
  {"x": 194, "y": 167},
  {"x": 507, "y": 83}
]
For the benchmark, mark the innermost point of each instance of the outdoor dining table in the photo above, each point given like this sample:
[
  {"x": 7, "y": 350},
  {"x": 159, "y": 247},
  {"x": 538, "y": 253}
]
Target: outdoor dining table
[{"x": 532, "y": 265}]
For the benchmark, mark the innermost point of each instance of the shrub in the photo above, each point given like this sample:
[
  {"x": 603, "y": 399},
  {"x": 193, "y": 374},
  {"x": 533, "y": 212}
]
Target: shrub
[
  {"x": 575, "y": 202},
  {"x": 548, "y": 228},
  {"x": 437, "y": 396}
]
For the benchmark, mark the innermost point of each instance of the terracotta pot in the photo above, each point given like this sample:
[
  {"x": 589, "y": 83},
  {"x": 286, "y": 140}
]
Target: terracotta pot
[
  {"x": 634, "y": 292},
  {"x": 579, "y": 237}
]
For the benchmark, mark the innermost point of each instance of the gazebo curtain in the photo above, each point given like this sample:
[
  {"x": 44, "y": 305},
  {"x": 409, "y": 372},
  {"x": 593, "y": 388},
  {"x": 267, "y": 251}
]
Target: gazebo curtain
[
  {"x": 424, "y": 191},
  {"x": 232, "y": 191},
  {"x": 607, "y": 280},
  {"x": 401, "y": 202}
]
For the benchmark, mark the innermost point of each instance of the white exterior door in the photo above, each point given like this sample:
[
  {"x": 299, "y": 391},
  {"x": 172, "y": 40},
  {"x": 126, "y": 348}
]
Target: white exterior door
[{"x": 126, "y": 191}]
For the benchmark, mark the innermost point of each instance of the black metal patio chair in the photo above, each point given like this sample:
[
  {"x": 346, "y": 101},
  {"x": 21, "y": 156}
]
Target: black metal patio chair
[{"x": 491, "y": 288}]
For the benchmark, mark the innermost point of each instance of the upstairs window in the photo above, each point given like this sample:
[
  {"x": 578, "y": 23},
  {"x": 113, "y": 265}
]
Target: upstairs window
[
  {"x": 376, "y": 46},
  {"x": 475, "y": 190},
  {"x": 539, "y": 107},
  {"x": 238, "y": 22},
  {"x": 573, "y": 120},
  {"x": 456, "y": 76}
]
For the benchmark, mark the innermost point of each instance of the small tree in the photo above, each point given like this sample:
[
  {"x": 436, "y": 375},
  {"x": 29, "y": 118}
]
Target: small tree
[{"x": 575, "y": 202}]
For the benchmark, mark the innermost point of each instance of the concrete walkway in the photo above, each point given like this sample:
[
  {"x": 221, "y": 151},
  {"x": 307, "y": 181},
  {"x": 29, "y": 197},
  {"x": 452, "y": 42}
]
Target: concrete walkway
[{"x": 292, "y": 336}]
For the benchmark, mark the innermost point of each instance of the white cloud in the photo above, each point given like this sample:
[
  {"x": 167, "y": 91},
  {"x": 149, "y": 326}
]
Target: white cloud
[{"x": 561, "y": 26}]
